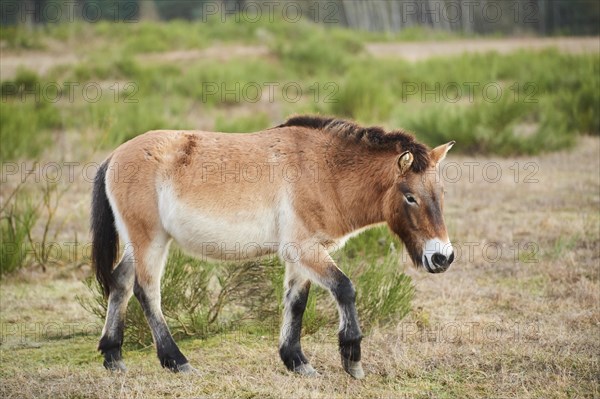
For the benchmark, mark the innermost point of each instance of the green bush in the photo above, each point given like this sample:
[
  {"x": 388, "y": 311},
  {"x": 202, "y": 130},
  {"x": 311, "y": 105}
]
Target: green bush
[
  {"x": 116, "y": 122},
  {"x": 25, "y": 81},
  {"x": 216, "y": 83},
  {"x": 184, "y": 301},
  {"x": 16, "y": 222},
  {"x": 580, "y": 108},
  {"x": 413, "y": 34},
  {"x": 18, "y": 38},
  {"x": 505, "y": 127},
  {"x": 542, "y": 108},
  {"x": 362, "y": 97},
  {"x": 200, "y": 299},
  {"x": 101, "y": 67},
  {"x": 27, "y": 127},
  {"x": 313, "y": 50},
  {"x": 243, "y": 124},
  {"x": 565, "y": 88}
]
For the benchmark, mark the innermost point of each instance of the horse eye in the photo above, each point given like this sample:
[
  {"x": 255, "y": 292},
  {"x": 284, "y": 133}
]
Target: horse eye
[{"x": 410, "y": 199}]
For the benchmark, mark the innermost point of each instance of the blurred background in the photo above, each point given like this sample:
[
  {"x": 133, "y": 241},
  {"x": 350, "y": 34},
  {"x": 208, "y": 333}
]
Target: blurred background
[
  {"x": 544, "y": 17},
  {"x": 515, "y": 83},
  {"x": 109, "y": 70}
]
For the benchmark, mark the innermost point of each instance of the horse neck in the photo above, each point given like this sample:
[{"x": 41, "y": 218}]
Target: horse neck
[{"x": 362, "y": 188}]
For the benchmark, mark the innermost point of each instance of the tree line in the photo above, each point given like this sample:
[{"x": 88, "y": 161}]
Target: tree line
[{"x": 511, "y": 17}]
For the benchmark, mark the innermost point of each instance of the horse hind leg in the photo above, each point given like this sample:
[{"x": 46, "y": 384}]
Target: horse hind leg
[
  {"x": 295, "y": 299},
  {"x": 111, "y": 341},
  {"x": 150, "y": 263}
]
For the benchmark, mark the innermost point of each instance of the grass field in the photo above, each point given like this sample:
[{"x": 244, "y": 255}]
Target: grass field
[
  {"x": 501, "y": 328},
  {"x": 517, "y": 315}
]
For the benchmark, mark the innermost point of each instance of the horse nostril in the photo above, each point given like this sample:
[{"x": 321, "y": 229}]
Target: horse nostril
[
  {"x": 439, "y": 259},
  {"x": 451, "y": 258}
]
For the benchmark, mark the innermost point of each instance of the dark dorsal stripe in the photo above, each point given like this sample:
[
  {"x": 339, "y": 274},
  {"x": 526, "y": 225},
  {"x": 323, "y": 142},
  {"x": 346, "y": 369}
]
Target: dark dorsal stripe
[{"x": 372, "y": 137}]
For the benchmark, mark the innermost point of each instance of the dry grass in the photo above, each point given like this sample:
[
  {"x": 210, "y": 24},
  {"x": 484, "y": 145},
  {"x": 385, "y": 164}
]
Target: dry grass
[
  {"x": 423, "y": 50},
  {"x": 505, "y": 328}
]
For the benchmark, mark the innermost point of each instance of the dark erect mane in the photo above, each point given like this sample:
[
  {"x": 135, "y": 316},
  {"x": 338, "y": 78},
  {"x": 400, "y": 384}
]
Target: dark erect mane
[{"x": 372, "y": 137}]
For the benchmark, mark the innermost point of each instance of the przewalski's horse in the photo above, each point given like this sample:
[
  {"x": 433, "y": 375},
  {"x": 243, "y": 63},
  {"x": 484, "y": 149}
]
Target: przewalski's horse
[{"x": 298, "y": 190}]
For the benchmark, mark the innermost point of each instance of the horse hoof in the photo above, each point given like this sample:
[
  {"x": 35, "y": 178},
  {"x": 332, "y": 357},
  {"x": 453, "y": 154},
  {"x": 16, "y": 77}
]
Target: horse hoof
[
  {"x": 186, "y": 369},
  {"x": 307, "y": 370},
  {"x": 115, "y": 366},
  {"x": 353, "y": 368}
]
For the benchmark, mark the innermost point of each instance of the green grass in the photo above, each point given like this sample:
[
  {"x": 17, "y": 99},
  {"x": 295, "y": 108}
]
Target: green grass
[
  {"x": 27, "y": 127},
  {"x": 548, "y": 98},
  {"x": 119, "y": 122},
  {"x": 24, "y": 81},
  {"x": 505, "y": 127},
  {"x": 18, "y": 38},
  {"x": 243, "y": 361},
  {"x": 304, "y": 50},
  {"x": 360, "y": 98},
  {"x": 244, "y": 124},
  {"x": 540, "y": 108},
  {"x": 16, "y": 221},
  {"x": 414, "y": 34},
  {"x": 231, "y": 83}
]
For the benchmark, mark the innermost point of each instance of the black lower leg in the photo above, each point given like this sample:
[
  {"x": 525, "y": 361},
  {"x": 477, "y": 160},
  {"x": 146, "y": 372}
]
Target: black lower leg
[
  {"x": 110, "y": 347},
  {"x": 168, "y": 353},
  {"x": 350, "y": 335},
  {"x": 290, "y": 350},
  {"x": 112, "y": 340}
]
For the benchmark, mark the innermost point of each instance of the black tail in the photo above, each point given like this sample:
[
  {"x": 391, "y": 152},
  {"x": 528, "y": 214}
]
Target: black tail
[{"x": 105, "y": 239}]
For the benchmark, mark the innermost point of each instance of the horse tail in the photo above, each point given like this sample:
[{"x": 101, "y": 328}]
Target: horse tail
[{"x": 105, "y": 239}]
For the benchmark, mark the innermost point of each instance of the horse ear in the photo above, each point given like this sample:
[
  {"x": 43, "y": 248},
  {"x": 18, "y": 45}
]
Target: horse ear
[
  {"x": 405, "y": 160},
  {"x": 439, "y": 153}
]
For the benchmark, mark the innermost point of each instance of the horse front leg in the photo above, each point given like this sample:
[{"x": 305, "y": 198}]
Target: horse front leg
[
  {"x": 323, "y": 271},
  {"x": 349, "y": 333}
]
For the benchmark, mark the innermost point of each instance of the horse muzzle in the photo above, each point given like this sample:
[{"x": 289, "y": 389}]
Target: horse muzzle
[{"x": 437, "y": 256}]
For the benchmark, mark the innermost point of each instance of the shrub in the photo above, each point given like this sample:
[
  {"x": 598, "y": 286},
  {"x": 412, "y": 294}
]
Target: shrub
[
  {"x": 25, "y": 81},
  {"x": 250, "y": 123},
  {"x": 184, "y": 300},
  {"x": 313, "y": 50},
  {"x": 580, "y": 108},
  {"x": 216, "y": 83},
  {"x": 102, "y": 67},
  {"x": 362, "y": 96},
  {"x": 20, "y": 38},
  {"x": 16, "y": 221},
  {"x": 199, "y": 299},
  {"x": 117, "y": 122},
  {"x": 505, "y": 127},
  {"x": 26, "y": 127}
]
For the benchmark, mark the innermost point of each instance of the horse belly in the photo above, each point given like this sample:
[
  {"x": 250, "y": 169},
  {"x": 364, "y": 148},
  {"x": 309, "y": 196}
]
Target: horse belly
[{"x": 211, "y": 233}]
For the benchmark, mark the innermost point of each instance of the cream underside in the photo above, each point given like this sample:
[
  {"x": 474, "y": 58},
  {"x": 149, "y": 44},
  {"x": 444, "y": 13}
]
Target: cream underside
[{"x": 246, "y": 233}]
